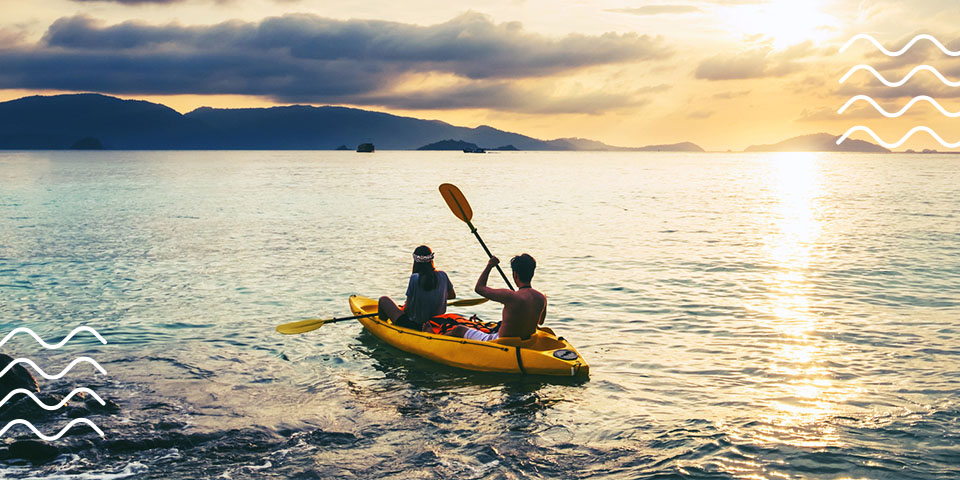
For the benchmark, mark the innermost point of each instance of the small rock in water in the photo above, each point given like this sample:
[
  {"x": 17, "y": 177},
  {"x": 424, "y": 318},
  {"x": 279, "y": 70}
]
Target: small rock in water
[
  {"x": 77, "y": 412},
  {"x": 17, "y": 377},
  {"x": 108, "y": 406},
  {"x": 36, "y": 452},
  {"x": 169, "y": 425},
  {"x": 24, "y": 407}
]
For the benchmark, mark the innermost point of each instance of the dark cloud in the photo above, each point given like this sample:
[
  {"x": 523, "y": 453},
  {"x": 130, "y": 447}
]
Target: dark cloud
[
  {"x": 657, "y": 9},
  {"x": 470, "y": 45},
  {"x": 318, "y": 60}
]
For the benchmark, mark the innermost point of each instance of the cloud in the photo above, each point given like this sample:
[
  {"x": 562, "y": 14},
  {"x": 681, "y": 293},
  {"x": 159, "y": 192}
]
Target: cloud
[
  {"x": 469, "y": 45},
  {"x": 306, "y": 58},
  {"x": 10, "y": 37},
  {"x": 657, "y": 9},
  {"x": 918, "y": 85},
  {"x": 129, "y": 2},
  {"x": 506, "y": 96},
  {"x": 860, "y": 111},
  {"x": 921, "y": 52},
  {"x": 730, "y": 95},
  {"x": 755, "y": 63},
  {"x": 700, "y": 114},
  {"x": 732, "y": 67}
]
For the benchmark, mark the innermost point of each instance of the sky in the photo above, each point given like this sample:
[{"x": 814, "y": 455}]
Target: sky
[{"x": 724, "y": 74}]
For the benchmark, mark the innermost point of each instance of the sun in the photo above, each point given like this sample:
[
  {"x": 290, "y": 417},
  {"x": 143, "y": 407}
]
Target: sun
[{"x": 784, "y": 22}]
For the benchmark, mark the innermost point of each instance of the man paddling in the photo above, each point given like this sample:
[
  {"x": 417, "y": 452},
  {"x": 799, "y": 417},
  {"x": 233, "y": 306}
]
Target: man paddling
[{"x": 523, "y": 309}]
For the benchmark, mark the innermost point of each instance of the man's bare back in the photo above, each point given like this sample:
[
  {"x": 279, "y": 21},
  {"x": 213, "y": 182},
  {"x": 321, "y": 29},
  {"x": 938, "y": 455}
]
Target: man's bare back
[{"x": 523, "y": 309}]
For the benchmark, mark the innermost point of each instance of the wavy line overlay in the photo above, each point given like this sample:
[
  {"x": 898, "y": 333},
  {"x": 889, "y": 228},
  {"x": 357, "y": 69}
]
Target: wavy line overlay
[
  {"x": 47, "y": 345},
  {"x": 52, "y": 407},
  {"x": 922, "y": 36},
  {"x": 905, "y": 79},
  {"x": 36, "y": 432},
  {"x": 53, "y": 377},
  {"x": 861, "y": 128},
  {"x": 903, "y": 110}
]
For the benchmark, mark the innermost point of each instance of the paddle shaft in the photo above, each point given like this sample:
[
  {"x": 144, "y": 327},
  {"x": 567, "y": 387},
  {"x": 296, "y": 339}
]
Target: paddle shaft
[
  {"x": 367, "y": 315},
  {"x": 455, "y": 303},
  {"x": 473, "y": 230},
  {"x": 304, "y": 326},
  {"x": 485, "y": 249}
]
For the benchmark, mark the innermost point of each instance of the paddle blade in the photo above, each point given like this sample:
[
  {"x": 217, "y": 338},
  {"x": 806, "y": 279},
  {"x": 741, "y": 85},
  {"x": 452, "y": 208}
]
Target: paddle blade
[
  {"x": 456, "y": 201},
  {"x": 302, "y": 326},
  {"x": 468, "y": 302}
]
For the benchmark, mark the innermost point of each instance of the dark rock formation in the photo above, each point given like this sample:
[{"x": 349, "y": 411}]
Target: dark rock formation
[
  {"x": 33, "y": 450},
  {"x": 17, "y": 377}
]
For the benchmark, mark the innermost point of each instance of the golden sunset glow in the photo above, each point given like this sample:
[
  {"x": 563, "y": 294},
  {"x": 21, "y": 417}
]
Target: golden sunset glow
[{"x": 784, "y": 22}]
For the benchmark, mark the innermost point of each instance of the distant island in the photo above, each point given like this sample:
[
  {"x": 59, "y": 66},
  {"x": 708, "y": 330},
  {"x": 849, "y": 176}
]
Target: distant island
[
  {"x": 582, "y": 144},
  {"x": 450, "y": 145},
  {"x": 673, "y": 147},
  {"x": 460, "y": 145},
  {"x": 65, "y": 121},
  {"x": 819, "y": 142}
]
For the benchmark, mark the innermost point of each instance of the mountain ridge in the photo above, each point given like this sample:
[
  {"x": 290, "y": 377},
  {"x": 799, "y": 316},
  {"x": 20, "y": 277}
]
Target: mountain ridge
[
  {"x": 818, "y": 142},
  {"x": 59, "y": 121}
]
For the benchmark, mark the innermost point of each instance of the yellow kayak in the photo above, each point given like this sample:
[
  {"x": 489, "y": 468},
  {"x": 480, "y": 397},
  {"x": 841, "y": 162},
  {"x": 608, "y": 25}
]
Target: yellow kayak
[{"x": 542, "y": 354}]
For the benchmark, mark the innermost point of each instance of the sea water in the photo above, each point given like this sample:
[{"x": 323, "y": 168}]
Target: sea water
[{"x": 763, "y": 316}]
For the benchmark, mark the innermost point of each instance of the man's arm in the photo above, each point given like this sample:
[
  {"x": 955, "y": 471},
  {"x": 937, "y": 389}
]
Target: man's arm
[{"x": 501, "y": 295}]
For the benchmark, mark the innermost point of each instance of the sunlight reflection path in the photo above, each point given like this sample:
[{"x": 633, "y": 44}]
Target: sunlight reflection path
[{"x": 801, "y": 395}]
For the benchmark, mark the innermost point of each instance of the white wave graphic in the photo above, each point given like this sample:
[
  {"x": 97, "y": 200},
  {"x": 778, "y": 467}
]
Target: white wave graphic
[
  {"x": 907, "y": 78},
  {"x": 902, "y": 110},
  {"x": 47, "y": 345},
  {"x": 52, "y": 377},
  {"x": 20, "y": 421},
  {"x": 52, "y": 407},
  {"x": 861, "y": 128},
  {"x": 922, "y": 36}
]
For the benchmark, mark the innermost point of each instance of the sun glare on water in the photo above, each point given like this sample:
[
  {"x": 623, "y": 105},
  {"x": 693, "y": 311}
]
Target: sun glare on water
[{"x": 785, "y": 22}]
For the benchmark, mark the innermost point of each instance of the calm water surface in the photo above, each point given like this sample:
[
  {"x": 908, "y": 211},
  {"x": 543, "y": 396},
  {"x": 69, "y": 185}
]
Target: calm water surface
[{"x": 762, "y": 316}]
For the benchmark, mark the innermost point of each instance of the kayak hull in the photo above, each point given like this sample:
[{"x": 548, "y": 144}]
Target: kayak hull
[{"x": 542, "y": 354}]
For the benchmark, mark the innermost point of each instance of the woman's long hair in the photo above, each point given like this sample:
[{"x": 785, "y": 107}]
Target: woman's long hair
[{"x": 428, "y": 272}]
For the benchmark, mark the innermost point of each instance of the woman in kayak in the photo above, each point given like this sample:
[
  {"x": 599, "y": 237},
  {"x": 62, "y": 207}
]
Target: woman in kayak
[{"x": 427, "y": 293}]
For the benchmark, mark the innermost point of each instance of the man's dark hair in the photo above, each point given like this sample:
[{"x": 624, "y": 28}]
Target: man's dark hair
[{"x": 523, "y": 265}]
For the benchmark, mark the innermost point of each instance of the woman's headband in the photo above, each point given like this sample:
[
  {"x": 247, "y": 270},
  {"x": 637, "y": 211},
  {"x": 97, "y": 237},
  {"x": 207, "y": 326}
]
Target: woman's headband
[{"x": 422, "y": 258}]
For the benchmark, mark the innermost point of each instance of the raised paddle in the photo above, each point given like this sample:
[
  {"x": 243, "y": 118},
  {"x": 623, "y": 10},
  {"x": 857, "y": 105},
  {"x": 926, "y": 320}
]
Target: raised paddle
[
  {"x": 311, "y": 324},
  {"x": 461, "y": 208}
]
